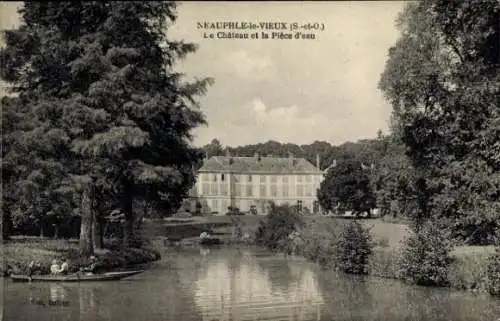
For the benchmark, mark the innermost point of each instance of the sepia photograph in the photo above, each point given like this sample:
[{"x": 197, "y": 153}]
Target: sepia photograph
[{"x": 254, "y": 160}]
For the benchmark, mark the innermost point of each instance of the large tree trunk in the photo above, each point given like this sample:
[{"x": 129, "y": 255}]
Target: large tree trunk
[
  {"x": 56, "y": 231},
  {"x": 100, "y": 233},
  {"x": 41, "y": 228},
  {"x": 3, "y": 263},
  {"x": 96, "y": 239},
  {"x": 128, "y": 211},
  {"x": 86, "y": 245},
  {"x": 5, "y": 226}
]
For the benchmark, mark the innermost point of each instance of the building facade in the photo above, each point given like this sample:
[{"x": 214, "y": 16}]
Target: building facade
[{"x": 252, "y": 184}]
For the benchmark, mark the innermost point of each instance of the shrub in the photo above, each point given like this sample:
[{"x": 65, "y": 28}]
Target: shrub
[
  {"x": 354, "y": 248},
  {"x": 274, "y": 231},
  {"x": 319, "y": 240},
  {"x": 425, "y": 257},
  {"x": 494, "y": 274}
]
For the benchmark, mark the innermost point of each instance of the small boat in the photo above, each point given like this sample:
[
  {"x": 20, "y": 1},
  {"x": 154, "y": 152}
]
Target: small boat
[{"x": 109, "y": 276}]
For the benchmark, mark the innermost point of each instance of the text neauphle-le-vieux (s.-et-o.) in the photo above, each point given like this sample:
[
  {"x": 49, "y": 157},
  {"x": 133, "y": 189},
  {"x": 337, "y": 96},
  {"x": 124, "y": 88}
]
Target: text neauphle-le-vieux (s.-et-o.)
[{"x": 260, "y": 30}]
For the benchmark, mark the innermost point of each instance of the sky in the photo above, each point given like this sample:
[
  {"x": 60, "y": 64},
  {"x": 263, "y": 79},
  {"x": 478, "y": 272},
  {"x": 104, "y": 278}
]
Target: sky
[{"x": 293, "y": 91}]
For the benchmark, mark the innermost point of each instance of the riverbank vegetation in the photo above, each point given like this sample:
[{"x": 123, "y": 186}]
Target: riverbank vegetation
[
  {"x": 387, "y": 250},
  {"x": 18, "y": 252},
  {"x": 96, "y": 131}
]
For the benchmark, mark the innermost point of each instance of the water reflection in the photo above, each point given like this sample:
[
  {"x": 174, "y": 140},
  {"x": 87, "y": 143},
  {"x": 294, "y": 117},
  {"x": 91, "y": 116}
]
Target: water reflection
[
  {"x": 354, "y": 298},
  {"x": 87, "y": 302},
  {"x": 1, "y": 290},
  {"x": 240, "y": 287},
  {"x": 247, "y": 284},
  {"x": 57, "y": 293}
]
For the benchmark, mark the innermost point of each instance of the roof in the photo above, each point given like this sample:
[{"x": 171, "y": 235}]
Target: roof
[{"x": 258, "y": 165}]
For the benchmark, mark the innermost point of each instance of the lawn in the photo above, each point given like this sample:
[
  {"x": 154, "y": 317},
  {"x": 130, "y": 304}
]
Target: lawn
[
  {"x": 385, "y": 233},
  {"x": 18, "y": 252}
]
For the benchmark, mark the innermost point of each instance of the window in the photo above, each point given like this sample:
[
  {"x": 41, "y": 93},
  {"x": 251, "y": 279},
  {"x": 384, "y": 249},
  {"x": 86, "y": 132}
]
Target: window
[
  {"x": 215, "y": 206},
  {"x": 249, "y": 190},
  {"x": 237, "y": 189},
  {"x": 308, "y": 178},
  {"x": 285, "y": 179},
  {"x": 243, "y": 205},
  {"x": 300, "y": 190},
  {"x": 223, "y": 189},
  {"x": 274, "y": 190},
  {"x": 263, "y": 191},
  {"x": 249, "y": 178},
  {"x": 299, "y": 178},
  {"x": 214, "y": 178},
  {"x": 224, "y": 206},
  {"x": 214, "y": 189},
  {"x": 285, "y": 190},
  {"x": 308, "y": 190},
  {"x": 274, "y": 179},
  {"x": 222, "y": 177},
  {"x": 205, "y": 189},
  {"x": 262, "y": 179},
  {"x": 299, "y": 205}
]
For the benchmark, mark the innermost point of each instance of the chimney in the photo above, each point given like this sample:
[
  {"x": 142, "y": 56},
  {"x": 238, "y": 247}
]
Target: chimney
[
  {"x": 290, "y": 160},
  {"x": 317, "y": 161}
]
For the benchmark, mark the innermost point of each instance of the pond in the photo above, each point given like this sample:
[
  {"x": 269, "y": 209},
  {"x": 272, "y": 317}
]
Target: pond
[{"x": 241, "y": 284}]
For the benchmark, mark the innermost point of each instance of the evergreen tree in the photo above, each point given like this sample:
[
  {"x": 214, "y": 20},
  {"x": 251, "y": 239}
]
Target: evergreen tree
[{"x": 111, "y": 111}]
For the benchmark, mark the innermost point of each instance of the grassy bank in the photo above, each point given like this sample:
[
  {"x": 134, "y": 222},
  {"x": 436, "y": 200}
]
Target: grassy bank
[
  {"x": 230, "y": 229},
  {"x": 20, "y": 251},
  {"x": 468, "y": 269}
]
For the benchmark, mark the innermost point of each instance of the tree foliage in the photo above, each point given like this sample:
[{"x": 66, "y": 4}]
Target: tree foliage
[
  {"x": 443, "y": 82},
  {"x": 354, "y": 248},
  {"x": 347, "y": 187},
  {"x": 275, "y": 229},
  {"x": 108, "y": 109},
  {"x": 368, "y": 151},
  {"x": 213, "y": 149},
  {"x": 393, "y": 182},
  {"x": 425, "y": 256}
]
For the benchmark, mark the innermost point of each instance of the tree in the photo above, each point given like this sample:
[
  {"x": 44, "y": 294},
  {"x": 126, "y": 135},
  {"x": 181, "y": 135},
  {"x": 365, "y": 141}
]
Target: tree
[
  {"x": 30, "y": 180},
  {"x": 214, "y": 148},
  {"x": 318, "y": 148},
  {"x": 347, "y": 187},
  {"x": 98, "y": 77},
  {"x": 393, "y": 181},
  {"x": 443, "y": 82}
]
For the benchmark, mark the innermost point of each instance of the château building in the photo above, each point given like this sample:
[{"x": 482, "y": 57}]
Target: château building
[{"x": 252, "y": 184}]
